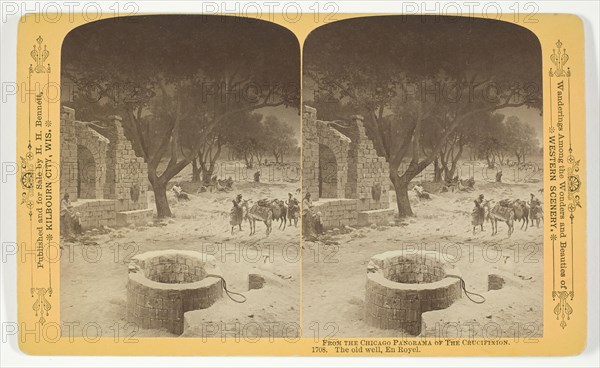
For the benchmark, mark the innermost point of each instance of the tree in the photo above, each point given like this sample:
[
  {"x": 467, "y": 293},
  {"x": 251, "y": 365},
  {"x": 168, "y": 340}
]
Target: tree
[
  {"x": 279, "y": 137},
  {"x": 188, "y": 73},
  {"x": 247, "y": 137},
  {"x": 521, "y": 138},
  {"x": 408, "y": 75},
  {"x": 489, "y": 138}
]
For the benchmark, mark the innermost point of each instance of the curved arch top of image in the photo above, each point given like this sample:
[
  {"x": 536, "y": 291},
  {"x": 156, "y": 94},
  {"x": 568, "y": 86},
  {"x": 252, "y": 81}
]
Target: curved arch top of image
[
  {"x": 180, "y": 156},
  {"x": 422, "y": 135}
]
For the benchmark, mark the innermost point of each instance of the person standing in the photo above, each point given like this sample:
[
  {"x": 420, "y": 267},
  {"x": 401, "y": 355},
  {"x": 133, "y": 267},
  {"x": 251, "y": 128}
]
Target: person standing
[
  {"x": 478, "y": 214},
  {"x": 237, "y": 213}
]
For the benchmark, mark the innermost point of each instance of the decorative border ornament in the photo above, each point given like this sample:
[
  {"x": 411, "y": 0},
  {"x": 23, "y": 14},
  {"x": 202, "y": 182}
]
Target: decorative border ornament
[
  {"x": 572, "y": 186},
  {"x": 27, "y": 177},
  {"x": 41, "y": 306},
  {"x": 563, "y": 309},
  {"x": 40, "y": 55},
  {"x": 559, "y": 59},
  {"x": 38, "y": 74}
]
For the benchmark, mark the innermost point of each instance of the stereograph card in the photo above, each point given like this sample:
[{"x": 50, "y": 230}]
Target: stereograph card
[{"x": 369, "y": 185}]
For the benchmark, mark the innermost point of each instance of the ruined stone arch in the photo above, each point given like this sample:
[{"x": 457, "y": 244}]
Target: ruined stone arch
[
  {"x": 91, "y": 162},
  {"x": 333, "y": 161}
]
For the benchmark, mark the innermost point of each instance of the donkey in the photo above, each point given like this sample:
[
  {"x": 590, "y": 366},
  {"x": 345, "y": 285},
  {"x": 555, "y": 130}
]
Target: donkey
[
  {"x": 260, "y": 213},
  {"x": 504, "y": 214}
]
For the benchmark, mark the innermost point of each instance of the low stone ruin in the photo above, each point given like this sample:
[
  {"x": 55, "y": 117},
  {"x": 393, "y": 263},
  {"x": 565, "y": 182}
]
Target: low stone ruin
[
  {"x": 347, "y": 180},
  {"x": 400, "y": 287},
  {"x": 106, "y": 181}
]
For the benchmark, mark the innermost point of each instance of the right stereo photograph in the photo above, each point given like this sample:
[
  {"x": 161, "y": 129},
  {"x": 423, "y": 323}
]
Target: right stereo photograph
[{"x": 422, "y": 178}]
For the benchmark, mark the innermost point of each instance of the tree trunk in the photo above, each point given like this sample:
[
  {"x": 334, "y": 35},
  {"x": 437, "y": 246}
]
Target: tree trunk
[
  {"x": 195, "y": 171},
  {"x": 207, "y": 175},
  {"x": 489, "y": 162},
  {"x": 402, "y": 201},
  {"x": 449, "y": 173},
  {"x": 437, "y": 171},
  {"x": 160, "y": 199},
  {"x": 401, "y": 189}
]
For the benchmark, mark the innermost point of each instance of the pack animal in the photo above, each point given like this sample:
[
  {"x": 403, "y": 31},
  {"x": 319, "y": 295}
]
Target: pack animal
[
  {"x": 521, "y": 212},
  {"x": 256, "y": 212},
  {"x": 280, "y": 212},
  {"x": 503, "y": 212}
]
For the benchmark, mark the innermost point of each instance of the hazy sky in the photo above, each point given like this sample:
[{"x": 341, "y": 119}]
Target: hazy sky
[
  {"x": 289, "y": 115},
  {"x": 529, "y": 116}
]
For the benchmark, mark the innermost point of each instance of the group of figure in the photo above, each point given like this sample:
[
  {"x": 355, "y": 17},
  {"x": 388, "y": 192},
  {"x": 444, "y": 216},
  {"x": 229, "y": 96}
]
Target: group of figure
[
  {"x": 70, "y": 224},
  {"x": 459, "y": 185},
  {"x": 506, "y": 211},
  {"x": 220, "y": 185},
  {"x": 311, "y": 218},
  {"x": 264, "y": 210}
]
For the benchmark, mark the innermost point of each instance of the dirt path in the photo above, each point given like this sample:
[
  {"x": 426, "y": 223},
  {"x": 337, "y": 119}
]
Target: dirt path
[
  {"x": 94, "y": 269},
  {"x": 334, "y": 274}
]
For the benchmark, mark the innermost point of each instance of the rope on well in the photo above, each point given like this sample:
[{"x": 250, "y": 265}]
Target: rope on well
[
  {"x": 229, "y": 292},
  {"x": 468, "y": 293}
]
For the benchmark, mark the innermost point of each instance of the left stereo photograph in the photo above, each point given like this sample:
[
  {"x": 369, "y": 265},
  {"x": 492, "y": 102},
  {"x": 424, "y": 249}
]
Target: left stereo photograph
[{"x": 180, "y": 176}]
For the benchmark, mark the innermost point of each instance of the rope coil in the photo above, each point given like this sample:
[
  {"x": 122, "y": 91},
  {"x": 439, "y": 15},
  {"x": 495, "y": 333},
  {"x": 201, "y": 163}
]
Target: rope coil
[
  {"x": 468, "y": 293},
  {"x": 229, "y": 292}
]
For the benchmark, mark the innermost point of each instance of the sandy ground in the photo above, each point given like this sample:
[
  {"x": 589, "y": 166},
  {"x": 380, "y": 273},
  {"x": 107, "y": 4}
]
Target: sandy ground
[
  {"x": 94, "y": 268},
  {"x": 334, "y": 270}
]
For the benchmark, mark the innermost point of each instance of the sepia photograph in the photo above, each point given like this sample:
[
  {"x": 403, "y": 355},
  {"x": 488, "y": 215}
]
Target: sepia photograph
[
  {"x": 422, "y": 178},
  {"x": 193, "y": 183},
  {"x": 180, "y": 177}
]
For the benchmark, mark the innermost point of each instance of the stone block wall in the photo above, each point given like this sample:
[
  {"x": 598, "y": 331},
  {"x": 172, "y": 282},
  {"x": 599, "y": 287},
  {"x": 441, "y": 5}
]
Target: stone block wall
[
  {"x": 400, "y": 287},
  {"x": 91, "y": 161},
  {"x": 68, "y": 153},
  {"x": 95, "y": 213},
  {"x": 98, "y": 162},
  {"x": 369, "y": 177},
  {"x": 135, "y": 217},
  {"x": 310, "y": 153},
  {"x": 340, "y": 161},
  {"x": 127, "y": 174},
  {"x": 337, "y": 212},
  {"x": 378, "y": 217},
  {"x": 164, "y": 285},
  {"x": 333, "y": 161}
]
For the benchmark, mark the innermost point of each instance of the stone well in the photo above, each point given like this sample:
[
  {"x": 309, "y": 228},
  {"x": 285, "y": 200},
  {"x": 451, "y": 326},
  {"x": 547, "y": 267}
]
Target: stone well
[
  {"x": 402, "y": 286},
  {"x": 163, "y": 285}
]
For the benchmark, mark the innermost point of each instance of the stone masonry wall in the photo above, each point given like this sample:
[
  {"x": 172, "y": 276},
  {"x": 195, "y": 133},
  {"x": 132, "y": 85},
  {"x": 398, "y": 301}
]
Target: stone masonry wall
[
  {"x": 369, "y": 177},
  {"x": 68, "y": 153},
  {"x": 343, "y": 150},
  {"x": 98, "y": 162},
  {"x": 127, "y": 174},
  {"x": 400, "y": 287},
  {"x": 337, "y": 212},
  {"x": 339, "y": 144},
  {"x": 165, "y": 285},
  {"x": 95, "y": 213},
  {"x": 91, "y": 171},
  {"x": 310, "y": 153}
]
